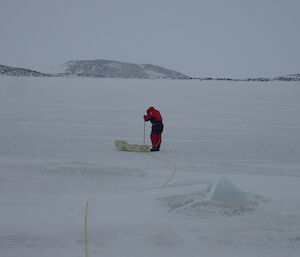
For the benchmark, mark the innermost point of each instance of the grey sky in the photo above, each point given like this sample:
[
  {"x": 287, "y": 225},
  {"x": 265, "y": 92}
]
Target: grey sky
[{"x": 236, "y": 38}]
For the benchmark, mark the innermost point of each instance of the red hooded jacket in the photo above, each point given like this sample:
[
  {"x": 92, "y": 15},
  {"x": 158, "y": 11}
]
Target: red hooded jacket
[{"x": 153, "y": 115}]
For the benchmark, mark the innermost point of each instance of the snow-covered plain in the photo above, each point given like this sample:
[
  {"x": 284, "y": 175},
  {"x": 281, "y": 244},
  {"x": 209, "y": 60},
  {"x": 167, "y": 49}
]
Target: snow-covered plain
[{"x": 236, "y": 147}]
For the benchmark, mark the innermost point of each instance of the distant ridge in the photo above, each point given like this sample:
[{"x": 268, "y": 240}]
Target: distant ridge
[
  {"x": 15, "y": 71},
  {"x": 290, "y": 77},
  {"x": 115, "y": 69}
]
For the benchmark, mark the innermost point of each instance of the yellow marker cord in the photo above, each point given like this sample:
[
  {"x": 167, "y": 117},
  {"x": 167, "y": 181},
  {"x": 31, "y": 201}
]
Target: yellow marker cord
[
  {"x": 173, "y": 169},
  {"x": 85, "y": 230},
  {"x": 87, "y": 204}
]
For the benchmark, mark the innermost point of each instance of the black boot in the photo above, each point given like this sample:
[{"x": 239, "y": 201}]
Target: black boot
[{"x": 154, "y": 149}]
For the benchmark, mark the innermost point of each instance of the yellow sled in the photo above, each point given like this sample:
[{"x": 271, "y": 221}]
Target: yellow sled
[{"x": 124, "y": 146}]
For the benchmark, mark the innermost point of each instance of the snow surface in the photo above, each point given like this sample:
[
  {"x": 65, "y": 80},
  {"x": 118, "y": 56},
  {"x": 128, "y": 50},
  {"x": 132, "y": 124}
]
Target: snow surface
[{"x": 236, "y": 147}]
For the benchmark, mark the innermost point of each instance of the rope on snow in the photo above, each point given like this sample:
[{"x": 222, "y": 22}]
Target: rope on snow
[
  {"x": 85, "y": 230},
  {"x": 168, "y": 162}
]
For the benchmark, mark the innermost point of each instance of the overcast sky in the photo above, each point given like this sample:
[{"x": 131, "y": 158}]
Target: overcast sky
[{"x": 237, "y": 38}]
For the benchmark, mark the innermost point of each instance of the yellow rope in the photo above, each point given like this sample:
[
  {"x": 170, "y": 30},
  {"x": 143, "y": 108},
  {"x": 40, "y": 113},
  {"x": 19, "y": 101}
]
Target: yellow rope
[
  {"x": 173, "y": 169},
  {"x": 170, "y": 178},
  {"x": 85, "y": 230}
]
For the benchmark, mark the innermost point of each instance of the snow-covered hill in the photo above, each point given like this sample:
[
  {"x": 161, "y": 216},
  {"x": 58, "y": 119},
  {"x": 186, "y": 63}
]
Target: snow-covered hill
[
  {"x": 115, "y": 69},
  {"x": 14, "y": 71}
]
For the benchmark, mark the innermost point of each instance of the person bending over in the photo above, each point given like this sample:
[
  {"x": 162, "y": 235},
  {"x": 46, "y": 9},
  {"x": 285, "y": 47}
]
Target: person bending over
[{"x": 155, "y": 118}]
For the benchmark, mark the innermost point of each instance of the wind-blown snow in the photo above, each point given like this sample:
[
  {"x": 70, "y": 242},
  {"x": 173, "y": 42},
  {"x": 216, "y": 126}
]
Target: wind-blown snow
[{"x": 236, "y": 147}]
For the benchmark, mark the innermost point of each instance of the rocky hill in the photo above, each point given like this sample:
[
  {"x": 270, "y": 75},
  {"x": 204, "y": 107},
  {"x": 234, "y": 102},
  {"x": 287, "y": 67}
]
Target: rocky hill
[
  {"x": 114, "y": 69},
  {"x": 14, "y": 71}
]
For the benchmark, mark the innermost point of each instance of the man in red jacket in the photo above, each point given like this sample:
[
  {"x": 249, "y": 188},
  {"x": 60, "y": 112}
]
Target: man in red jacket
[{"x": 157, "y": 127}]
